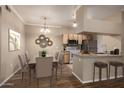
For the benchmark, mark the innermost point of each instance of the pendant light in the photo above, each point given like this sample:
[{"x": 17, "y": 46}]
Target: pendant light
[
  {"x": 74, "y": 24},
  {"x": 45, "y": 28},
  {"x": 74, "y": 21}
]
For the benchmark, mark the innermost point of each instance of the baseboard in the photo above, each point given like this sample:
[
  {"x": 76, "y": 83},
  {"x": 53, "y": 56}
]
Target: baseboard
[
  {"x": 89, "y": 81},
  {"x": 77, "y": 77},
  {"x": 9, "y": 77}
]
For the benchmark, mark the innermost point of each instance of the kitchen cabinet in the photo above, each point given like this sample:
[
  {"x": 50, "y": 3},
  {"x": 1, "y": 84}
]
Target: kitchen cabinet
[
  {"x": 66, "y": 57},
  {"x": 71, "y": 36},
  {"x": 65, "y": 39},
  {"x": 77, "y": 37},
  {"x": 80, "y": 37}
]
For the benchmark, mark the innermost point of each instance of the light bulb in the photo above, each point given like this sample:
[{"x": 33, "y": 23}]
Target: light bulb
[
  {"x": 47, "y": 30},
  {"x": 74, "y": 24},
  {"x": 42, "y": 30}
]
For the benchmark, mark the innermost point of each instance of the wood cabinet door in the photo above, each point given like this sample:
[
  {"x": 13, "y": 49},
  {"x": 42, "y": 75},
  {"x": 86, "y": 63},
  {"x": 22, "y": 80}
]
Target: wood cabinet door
[
  {"x": 66, "y": 57},
  {"x": 65, "y": 39},
  {"x": 71, "y": 37},
  {"x": 80, "y": 37}
]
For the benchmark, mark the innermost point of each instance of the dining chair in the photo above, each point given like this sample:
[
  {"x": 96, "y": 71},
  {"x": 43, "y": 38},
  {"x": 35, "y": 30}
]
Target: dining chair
[
  {"x": 44, "y": 68},
  {"x": 27, "y": 57},
  {"x": 22, "y": 64},
  {"x": 61, "y": 60},
  {"x": 31, "y": 65},
  {"x": 55, "y": 63},
  {"x": 57, "y": 55}
]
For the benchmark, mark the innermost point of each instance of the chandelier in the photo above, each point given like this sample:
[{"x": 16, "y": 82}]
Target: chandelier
[{"x": 45, "y": 27}]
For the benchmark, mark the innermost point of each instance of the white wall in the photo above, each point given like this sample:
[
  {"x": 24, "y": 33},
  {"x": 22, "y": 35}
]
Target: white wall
[
  {"x": 32, "y": 33},
  {"x": 88, "y": 24},
  {"x": 106, "y": 42},
  {"x": 102, "y": 26},
  {"x": 9, "y": 60}
]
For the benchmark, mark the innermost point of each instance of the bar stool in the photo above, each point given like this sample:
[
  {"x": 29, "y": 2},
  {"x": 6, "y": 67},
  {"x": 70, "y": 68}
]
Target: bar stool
[
  {"x": 116, "y": 65},
  {"x": 100, "y": 65}
]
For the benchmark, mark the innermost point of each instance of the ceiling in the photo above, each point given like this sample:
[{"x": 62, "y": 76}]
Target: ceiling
[
  {"x": 58, "y": 15},
  {"x": 103, "y": 11},
  {"x": 61, "y": 15}
]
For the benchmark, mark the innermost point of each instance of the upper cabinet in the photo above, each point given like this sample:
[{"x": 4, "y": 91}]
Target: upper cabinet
[
  {"x": 80, "y": 38},
  {"x": 76, "y": 37},
  {"x": 65, "y": 39},
  {"x": 71, "y": 36}
]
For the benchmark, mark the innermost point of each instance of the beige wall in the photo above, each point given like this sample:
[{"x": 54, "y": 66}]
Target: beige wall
[
  {"x": 32, "y": 33},
  {"x": 116, "y": 18},
  {"x": 106, "y": 42},
  {"x": 9, "y": 60}
]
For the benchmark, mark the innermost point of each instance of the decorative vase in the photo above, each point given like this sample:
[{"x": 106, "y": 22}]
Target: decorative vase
[{"x": 43, "y": 55}]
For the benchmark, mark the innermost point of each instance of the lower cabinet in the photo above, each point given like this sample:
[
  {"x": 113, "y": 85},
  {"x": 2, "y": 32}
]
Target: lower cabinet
[{"x": 66, "y": 57}]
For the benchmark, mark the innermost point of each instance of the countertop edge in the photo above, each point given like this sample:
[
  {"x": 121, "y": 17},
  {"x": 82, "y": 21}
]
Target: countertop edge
[{"x": 96, "y": 55}]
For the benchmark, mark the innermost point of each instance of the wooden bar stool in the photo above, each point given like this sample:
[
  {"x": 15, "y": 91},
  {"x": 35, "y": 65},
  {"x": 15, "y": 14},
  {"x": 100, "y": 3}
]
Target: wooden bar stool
[
  {"x": 100, "y": 65},
  {"x": 116, "y": 65}
]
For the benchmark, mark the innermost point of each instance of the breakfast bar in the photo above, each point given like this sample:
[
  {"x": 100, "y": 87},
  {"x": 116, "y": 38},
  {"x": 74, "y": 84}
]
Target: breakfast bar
[{"x": 83, "y": 66}]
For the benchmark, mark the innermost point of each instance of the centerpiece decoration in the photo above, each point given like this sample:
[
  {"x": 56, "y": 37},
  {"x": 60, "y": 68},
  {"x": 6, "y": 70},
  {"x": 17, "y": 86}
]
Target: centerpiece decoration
[{"x": 42, "y": 53}]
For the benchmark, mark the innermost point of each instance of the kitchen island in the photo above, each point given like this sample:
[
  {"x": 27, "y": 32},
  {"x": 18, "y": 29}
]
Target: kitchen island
[{"x": 83, "y": 66}]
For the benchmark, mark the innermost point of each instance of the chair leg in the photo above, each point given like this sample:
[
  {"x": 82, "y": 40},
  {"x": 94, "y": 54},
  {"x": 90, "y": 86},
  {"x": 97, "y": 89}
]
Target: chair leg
[
  {"x": 115, "y": 72},
  {"x": 51, "y": 77},
  {"x": 22, "y": 76},
  {"x": 51, "y": 81},
  {"x": 109, "y": 71},
  {"x": 100, "y": 74},
  {"x": 56, "y": 72},
  {"x": 123, "y": 71},
  {"x": 30, "y": 74},
  {"x": 34, "y": 73},
  {"x": 61, "y": 69},
  {"x": 93, "y": 73}
]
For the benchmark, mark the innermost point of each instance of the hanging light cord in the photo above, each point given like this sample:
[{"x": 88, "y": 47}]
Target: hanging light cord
[{"x": 45, "y": 23}]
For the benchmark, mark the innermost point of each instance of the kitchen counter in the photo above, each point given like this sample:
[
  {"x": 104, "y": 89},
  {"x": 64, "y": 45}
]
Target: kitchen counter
[
  {"x": 83, "y": 66},
  {"x": 96, "y": 55}
]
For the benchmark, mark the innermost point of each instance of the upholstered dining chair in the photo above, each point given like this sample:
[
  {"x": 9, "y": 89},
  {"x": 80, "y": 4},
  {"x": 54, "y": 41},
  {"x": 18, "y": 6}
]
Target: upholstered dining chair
[
  {"x": 55, "y": 63},
  {"x": 44, "y": 68},
  {"x": 27, "y": 57},
  {"x": 22, "y": 64},
  {"x": 61, "y": 60},
  {"x": 57, "y": 55},
  {"x": 31, "y": 65}
]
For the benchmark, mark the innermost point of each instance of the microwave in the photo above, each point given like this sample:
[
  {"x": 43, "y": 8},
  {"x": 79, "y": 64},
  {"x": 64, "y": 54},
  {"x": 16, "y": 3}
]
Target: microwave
[{"x": 72, "y": 42}]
